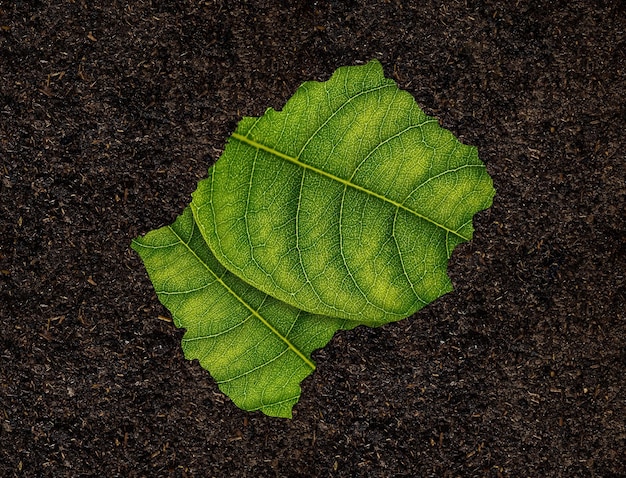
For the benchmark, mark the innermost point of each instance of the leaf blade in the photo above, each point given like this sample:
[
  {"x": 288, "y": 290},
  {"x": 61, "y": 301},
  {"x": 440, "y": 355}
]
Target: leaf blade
[
  {"x": 273, "y": 198},
  {"x": 256, "y": 348}
]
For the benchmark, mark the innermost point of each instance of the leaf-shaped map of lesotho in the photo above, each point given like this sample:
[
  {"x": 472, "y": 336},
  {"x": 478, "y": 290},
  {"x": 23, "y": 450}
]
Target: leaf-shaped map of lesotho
[{"x": 340, "y": 210}]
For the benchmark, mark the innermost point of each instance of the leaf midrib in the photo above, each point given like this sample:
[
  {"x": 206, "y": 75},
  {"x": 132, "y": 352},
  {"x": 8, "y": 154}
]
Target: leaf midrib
[
  {"x": 254, "y": 312},
  {"x": 296, "y": 161}
]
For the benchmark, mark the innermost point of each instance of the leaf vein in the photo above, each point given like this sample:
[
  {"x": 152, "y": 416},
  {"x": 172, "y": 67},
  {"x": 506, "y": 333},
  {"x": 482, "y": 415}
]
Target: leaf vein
[
  {"x": 254, "y": 312},
  {"x": 297, "y": 162}
]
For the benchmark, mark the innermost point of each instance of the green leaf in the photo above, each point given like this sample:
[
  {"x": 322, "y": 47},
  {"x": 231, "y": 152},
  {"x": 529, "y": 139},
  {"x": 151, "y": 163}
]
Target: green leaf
[
  {"x": 348, "y": 202},
  {"x": 340, "y": 210},
  {"x": 257, "y": 348}
]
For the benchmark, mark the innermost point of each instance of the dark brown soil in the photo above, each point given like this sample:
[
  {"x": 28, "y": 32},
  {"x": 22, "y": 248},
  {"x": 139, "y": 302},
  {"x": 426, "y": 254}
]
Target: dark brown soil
[{"x": 109, "y": 115}]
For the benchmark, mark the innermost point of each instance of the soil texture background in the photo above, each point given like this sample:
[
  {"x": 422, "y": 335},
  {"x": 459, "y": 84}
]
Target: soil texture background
[{"x": 110, "y": 112}]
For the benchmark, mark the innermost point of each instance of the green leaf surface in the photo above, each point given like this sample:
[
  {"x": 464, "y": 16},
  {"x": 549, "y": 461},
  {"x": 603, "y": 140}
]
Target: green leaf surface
[
  {"x": 348, "y": 202},
  {"x": 340, "y": 210},
  {"x": 257, "y": 348}
]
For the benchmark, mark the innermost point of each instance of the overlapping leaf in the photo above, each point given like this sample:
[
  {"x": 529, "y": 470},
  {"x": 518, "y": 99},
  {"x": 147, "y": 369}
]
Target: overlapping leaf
[
  {"x": 342, "y": 209},
  {"x": 348, "y": 202}
]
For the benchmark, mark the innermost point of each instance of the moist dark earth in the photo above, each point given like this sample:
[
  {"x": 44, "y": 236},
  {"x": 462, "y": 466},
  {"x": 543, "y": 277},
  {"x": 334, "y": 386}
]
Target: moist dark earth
[{"x": 109, "y": 116}]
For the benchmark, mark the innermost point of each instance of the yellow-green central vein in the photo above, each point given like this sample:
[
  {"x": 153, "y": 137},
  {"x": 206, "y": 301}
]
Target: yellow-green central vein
[
  {"x": 297, "y": 162},
  {"x": 245, "y": 304}
]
